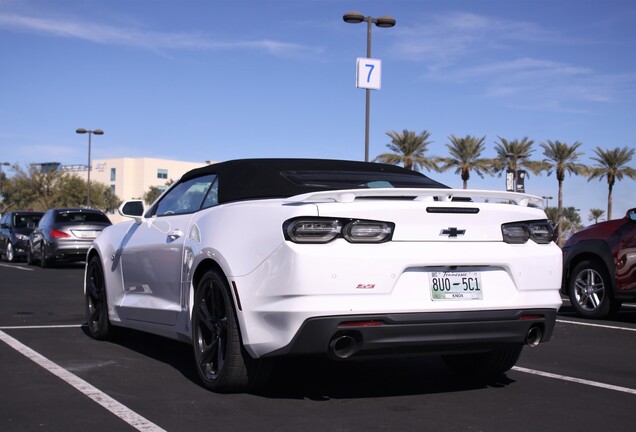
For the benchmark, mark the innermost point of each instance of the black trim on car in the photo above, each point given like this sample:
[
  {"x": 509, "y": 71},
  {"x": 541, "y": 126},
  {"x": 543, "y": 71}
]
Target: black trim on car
[
  {"x": 249, "y": 179},
  {"x": 429, "y": 332}
]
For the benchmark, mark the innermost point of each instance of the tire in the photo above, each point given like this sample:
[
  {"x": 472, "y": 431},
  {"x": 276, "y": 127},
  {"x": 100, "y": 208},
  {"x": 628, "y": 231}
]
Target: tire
[
  {"x": 485, "y": 365},
  {"x": 589, "y": 289},
  {"x": 9, "y": 253},
  {"x": 221, "y": 361},
  {"x": 95, "y": 300},
  {"x": 29, "y": 255},
  {"x": 43, "y": 261}
]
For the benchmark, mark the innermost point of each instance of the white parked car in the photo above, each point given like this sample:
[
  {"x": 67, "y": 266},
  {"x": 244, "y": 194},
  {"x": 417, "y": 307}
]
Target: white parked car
[{"x": 249, "y": 260}]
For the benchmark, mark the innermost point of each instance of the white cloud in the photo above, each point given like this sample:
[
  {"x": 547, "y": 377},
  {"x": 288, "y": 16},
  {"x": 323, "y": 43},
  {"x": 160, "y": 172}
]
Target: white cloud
[
  {"x": 151, "y": 40},
  {"x": 449, "y": 38},
  {"x": 490, "y": 54}
]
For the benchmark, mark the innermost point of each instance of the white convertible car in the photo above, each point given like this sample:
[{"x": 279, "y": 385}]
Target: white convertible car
[{"x": 249, "y": 260}]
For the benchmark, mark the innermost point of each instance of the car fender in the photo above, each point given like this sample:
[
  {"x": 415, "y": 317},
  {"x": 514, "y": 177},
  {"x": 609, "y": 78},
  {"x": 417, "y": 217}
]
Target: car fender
[
  {"x": 593, "y": 248},
  {"x": 226, "y": 232},
  {"x": 109, "y": 251}
]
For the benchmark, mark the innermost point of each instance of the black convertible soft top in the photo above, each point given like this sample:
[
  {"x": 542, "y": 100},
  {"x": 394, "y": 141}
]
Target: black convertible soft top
[{"x": 245, "y": 179}]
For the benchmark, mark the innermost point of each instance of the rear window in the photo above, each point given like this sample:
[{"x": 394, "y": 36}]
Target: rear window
[
  {"x": 26, "y": 220},
  {"x": 72, "y": 216},
  {"x": 357, "y": 180}
]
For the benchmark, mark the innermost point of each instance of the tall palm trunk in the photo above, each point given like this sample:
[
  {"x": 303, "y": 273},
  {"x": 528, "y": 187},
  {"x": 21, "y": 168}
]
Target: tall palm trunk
[
  {"x": 560, "y": 214},
  {"x": 465, "y": 177},
  {"x": 609, "y": 201}
]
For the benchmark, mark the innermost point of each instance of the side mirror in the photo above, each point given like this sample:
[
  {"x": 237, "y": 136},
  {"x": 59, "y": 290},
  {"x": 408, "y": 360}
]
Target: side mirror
[
  {"x": 133, "y": 209},
  {"x": 4, "y": 225},
  {"x": 632, "y": 214}
]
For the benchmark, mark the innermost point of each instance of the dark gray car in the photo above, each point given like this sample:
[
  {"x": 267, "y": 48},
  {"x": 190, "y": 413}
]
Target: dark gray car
[
  {"x": 15, "y": 228},
  {"x": 65, "y": 234}
]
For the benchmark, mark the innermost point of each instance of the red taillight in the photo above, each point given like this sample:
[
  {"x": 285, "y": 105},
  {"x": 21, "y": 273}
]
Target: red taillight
[
  {"x": 531, "y": 317},
  {"x": 372, "y": 323},
  {"x": 55, "y": 234}
]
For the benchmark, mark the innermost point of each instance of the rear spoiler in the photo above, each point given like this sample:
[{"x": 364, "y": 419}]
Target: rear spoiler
[{"x": 439, "y": 195}]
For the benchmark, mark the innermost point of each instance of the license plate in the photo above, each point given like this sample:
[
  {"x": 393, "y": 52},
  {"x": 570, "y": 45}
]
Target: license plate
[
  {"x": 455, "y": 285},
  {"x": 86, "y": 234}
]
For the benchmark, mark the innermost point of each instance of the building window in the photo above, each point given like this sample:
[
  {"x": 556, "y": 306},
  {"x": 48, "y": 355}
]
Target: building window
[
  {"x": 113, "y": 174},
  {"x": 112, "y": 189},
  {"x": 162, "y": 173}
]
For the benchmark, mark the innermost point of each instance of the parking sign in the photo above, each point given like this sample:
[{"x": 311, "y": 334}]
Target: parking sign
[{"x": 368, "y": 73}]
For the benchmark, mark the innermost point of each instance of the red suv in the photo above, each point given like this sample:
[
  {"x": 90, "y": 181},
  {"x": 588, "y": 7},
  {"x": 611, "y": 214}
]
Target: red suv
[{"x": 599, "y": 272}]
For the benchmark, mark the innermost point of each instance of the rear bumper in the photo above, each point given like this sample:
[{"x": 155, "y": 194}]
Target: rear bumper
[
  {"x": 68, "y": 251},
  {"x": 437, "y": 332},
  {"x": 20, "y": 247}
]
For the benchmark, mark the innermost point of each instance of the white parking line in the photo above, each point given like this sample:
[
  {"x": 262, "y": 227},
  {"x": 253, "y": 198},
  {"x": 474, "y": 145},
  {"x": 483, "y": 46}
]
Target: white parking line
[
  {"x": 132, "y": 418},
  {"x": 596, "y": 325},
  {"x": 40, "y": 326},
  {"x": 575, "y": 380},
  {"x": 16, "y": 267}
]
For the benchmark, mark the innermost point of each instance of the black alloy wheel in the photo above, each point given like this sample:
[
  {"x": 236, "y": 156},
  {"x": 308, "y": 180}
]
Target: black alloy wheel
[
  {"x": 96, "y": 303},
  {"x": 221, "y": 361}
]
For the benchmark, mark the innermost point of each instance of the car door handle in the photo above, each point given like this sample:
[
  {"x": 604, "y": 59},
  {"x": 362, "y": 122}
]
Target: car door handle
[{"x": 175, "y": 234}]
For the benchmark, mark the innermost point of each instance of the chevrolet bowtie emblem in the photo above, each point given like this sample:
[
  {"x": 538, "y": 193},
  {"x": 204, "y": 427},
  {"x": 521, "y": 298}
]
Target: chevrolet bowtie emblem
[{"x": 452, "y": 232}]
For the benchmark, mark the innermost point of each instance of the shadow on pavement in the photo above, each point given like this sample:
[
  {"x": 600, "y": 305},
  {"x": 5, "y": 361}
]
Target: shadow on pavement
[{"x": 318, "y": 378}]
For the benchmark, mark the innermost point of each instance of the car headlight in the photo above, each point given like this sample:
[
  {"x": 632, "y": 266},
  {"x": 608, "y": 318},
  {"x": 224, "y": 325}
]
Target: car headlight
[
  {"x": 540, "y": 232},
  {"x": 21, "y": 237},
  {"x": 324, "y": 230}
]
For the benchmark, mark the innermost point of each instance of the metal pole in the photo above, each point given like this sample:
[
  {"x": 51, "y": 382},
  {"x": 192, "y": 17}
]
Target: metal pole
[
  {"x": 515, "y": 179},
  {"x": 367, "y": 114},
  {"x": 88, "y": 194}
]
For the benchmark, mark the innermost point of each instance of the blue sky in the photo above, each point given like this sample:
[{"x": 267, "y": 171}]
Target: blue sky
[{"x": 200, "y": 80}]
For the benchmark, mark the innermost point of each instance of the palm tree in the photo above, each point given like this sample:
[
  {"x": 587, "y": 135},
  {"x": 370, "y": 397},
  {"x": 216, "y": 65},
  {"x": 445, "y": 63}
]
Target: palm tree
[
  {"x": 612, "y": 164},
  {"x": 465, "y": 157},
  {"x": 570, "y": 221},
  {"x": 595, "y": 215},
  {"x": 408, "y": 148},
  {"x": 562, "y": 158},
  {"x": 513, "y": 155}
]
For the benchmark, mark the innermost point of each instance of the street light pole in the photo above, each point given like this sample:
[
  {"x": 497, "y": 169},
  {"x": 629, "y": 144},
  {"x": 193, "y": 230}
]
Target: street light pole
[
  {"x": 547, "y": 200},
  {"x": 355, "y": 17},
  {"x": 88, "y": 181}
]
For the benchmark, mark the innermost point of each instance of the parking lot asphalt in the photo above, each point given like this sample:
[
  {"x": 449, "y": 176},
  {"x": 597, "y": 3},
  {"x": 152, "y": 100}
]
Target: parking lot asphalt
[{"x": 55, "y": 378}]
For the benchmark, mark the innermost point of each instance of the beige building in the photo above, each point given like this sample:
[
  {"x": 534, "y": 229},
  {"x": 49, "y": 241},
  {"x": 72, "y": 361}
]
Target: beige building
[{"x": 130, "y": 178}]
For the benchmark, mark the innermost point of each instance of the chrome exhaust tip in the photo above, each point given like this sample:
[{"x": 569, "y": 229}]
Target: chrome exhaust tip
[
  {"x": 343, "y": 346},
  {"x": 533, "y": 338}
]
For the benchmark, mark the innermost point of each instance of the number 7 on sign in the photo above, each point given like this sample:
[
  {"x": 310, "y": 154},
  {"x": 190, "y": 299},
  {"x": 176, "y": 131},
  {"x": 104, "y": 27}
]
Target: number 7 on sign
[
  {"x": 368, "y": 73},
  {"x": 370, "y": 66}
]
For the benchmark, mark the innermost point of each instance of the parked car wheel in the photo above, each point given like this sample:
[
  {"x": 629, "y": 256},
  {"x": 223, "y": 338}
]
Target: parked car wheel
[
  {"x": 9, "y": 253},
  {"x": 486, "y": 365},
  {"x": 96, "y": 303},
  {"x": 43, "y": 261},
  {"x": 29, "y": 255},
  {"x": 589, "y": 290},
  {"x": 221, "y": 361}
]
